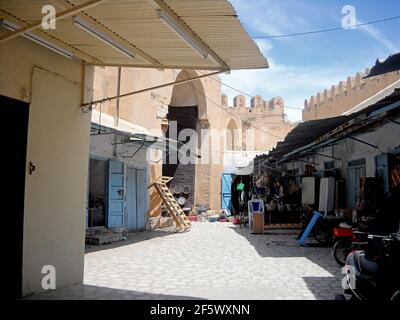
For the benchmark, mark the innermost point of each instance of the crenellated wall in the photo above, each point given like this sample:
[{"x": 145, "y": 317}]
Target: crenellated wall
[
  {"x": 346, "y": 95},
  {"x": 265, "y": 118}
]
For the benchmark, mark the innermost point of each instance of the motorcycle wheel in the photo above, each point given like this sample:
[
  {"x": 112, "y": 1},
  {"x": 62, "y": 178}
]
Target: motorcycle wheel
[
  {"x": 396, "y": 297},
  {"x": 340, "y": 250}
]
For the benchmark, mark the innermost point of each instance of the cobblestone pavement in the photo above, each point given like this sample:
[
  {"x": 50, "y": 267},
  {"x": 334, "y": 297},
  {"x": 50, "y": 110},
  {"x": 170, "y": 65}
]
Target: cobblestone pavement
[{"x": 211, "y": 261}]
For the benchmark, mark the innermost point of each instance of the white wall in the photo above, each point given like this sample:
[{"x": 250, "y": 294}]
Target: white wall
[
  {"x": 386, "y": 136},
  {"x": 58, "y": 145}
]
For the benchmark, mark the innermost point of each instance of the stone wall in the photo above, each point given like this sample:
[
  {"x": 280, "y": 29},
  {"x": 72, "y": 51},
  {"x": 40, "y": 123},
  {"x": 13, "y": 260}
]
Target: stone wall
[
  {"x": 266, "y": 120},
  {"x": 346, "y": 95}
]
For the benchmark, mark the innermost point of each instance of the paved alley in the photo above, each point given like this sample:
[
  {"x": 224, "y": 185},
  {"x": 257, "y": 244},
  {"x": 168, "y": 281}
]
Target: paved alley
[{"x": 211, "y": 261}]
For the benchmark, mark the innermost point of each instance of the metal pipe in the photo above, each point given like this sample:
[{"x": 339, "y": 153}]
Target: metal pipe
[
  {"x": 364, "y": 142},
  {"x": 116, "y": 118},
  {"x": 88, "y": 104}
]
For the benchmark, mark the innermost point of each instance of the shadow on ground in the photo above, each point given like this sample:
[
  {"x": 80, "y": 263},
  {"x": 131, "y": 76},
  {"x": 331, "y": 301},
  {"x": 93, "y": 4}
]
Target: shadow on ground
[
  {"x": 280, "y": 243},
  {"x": 131, "y": 239},
  {"x": 90, "y": 292}
]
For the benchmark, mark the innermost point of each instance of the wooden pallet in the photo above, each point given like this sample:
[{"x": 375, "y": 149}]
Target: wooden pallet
[{"x": 174, "y": 209}]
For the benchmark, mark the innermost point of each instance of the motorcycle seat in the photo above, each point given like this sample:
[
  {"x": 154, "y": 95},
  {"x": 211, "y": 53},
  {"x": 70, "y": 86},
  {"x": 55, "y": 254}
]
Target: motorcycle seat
[{"x": 365, "y": 266}]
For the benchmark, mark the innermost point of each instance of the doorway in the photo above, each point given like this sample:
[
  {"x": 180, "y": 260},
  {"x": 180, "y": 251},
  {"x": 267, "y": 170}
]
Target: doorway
[
  {"x": 226, "y": 190},
  {"x": 136, "y": 198},
  {"x": 184, "y": 174},
  {"x": 97, "y": 193},
  {"x": 356, "y": 171},
  {"x": 15, "y": 145}
]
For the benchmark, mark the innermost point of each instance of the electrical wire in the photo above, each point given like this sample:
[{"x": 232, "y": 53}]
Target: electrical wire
[
  {"x": 324, "y": 30},
  {"x": 244, "y": 93},
  {"x": 234, "y": 115}
]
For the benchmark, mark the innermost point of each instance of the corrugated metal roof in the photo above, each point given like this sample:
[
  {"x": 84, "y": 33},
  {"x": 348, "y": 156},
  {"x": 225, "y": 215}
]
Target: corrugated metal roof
[
  {"x": 390, "y": 64},
  {"x": 320, "y": 130},
  {"x": 136, "y": 25}
]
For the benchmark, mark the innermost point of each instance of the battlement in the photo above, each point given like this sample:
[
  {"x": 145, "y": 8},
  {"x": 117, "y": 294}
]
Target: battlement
[
  {"x": 257, "y": 105},
  {"x": 346, "y": 94}
]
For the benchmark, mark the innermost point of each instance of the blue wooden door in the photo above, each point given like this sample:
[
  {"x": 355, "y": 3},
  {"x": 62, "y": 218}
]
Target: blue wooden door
[
  {"x": 141, "y": 199},
  {"x": 226, "y": 187},
  {"x": 383, "y": 162},
  {"x": 136, "y": 198},
  {"x": 115, "y": 194},
  {"x": 131, "y": 198},
  {"x": 356, "y": 171}
]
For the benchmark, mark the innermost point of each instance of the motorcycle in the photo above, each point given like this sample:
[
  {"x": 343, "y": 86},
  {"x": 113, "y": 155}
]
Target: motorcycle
[
  {"x": 374, "y": 273},
  {"x": 347, "y": 240}
]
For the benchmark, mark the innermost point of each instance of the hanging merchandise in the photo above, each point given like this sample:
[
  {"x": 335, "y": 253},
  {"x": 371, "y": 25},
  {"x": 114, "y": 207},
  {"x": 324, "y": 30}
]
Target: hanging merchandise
[
  {"x": 395, "y": 175},
  {"x": 240, "y": 186},
  {"x": 259, "y": 183},
  {"x": 281, "y": 193}
]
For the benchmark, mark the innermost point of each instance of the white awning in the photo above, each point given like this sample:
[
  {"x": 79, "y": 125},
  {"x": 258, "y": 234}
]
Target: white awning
[{"x": 179, "y": 34}]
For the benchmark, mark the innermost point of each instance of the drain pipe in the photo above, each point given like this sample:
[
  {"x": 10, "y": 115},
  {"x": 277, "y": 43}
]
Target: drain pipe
[{"x": 116, "y": 115}]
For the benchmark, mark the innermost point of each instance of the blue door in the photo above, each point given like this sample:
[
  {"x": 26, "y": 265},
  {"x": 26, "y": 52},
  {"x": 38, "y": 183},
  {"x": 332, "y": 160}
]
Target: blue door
[
  {"x": 115, "y": 194},
  {"x": 141, "y": 200},
  {"x": 136, "y": 198},
  {"x": 383, "y": 162},
  {"x": 131, "y": 198},
  {"x": 226, "y": 187},
  {"x": 356, "y": 171}
]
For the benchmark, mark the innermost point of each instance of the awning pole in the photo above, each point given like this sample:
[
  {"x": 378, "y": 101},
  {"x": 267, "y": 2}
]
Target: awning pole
[
  {"x": 137, "y": 150},
  {"x": 89, "y": 105},
  {"x": 362, "y": 141}
]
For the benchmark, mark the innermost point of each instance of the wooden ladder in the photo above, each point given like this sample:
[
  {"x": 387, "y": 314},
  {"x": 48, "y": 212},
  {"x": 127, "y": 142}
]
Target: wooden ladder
[{"x": 174, "y": 209}]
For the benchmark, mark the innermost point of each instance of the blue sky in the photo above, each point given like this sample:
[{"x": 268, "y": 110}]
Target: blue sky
[{"x": 304, "y": 65}]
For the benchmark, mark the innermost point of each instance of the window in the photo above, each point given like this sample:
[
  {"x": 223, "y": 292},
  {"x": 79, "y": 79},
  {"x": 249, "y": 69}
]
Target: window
[{"x": 328, "y": 165}]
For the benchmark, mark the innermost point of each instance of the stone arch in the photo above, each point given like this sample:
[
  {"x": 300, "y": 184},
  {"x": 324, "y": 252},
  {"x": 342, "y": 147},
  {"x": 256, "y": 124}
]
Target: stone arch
[
  {"x": 190, "y": 93},
  {"x": 232, "y": 135},
  {"x": 186, "y": 110}
]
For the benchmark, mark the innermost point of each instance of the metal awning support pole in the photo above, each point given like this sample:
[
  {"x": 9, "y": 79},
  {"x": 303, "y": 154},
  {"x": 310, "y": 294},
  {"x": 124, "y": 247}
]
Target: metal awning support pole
[
  {"x": 324, "y": 155},
  {"x": 305, "y": 161},
  {"x": 63, "y": 14},
  {"x": 137, "y": 150},
  {"x": 364, "y": 142},
  {"x": 90, "y": 104},
  {"x": 166, "y": 154}
]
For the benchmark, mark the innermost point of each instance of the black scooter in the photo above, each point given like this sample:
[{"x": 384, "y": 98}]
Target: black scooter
[{"x": 374, "y": 273}]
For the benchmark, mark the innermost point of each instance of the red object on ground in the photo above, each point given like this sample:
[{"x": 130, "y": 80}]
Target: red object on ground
[
  {"x": 343, "y": 232},
  {"x": 236, "y": 221},
  {"x": 193, "y": 218},
  {"x": 222, "y": 220}
]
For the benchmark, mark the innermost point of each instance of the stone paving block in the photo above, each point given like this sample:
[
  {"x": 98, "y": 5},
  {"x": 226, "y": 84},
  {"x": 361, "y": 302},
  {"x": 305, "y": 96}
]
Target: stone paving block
[{"x": 211, "y": 261}]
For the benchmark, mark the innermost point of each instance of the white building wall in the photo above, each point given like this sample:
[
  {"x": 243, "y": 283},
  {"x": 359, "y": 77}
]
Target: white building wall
[
  {"x": 386, "y": 136},
  {"x": 58, "y": 145}
]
